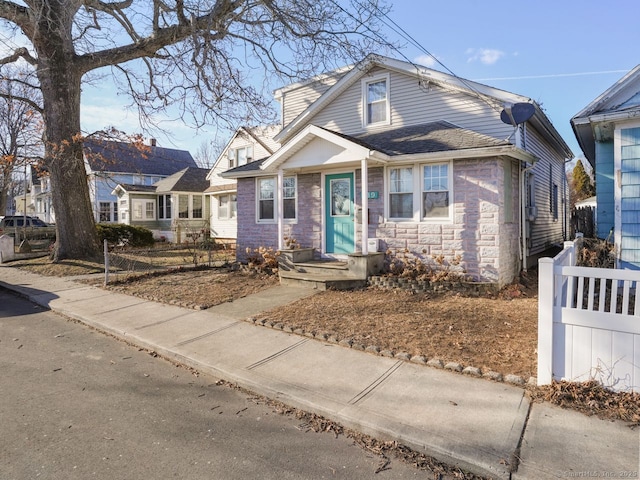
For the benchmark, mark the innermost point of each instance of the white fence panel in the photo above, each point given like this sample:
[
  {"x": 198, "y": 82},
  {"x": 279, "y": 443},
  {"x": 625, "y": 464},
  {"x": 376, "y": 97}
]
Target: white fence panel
[{"x": 588, "y": 323}]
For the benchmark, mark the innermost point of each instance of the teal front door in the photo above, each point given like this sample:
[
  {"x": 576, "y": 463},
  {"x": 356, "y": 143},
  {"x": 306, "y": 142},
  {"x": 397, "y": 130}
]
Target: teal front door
[{"x": 339, "y": 213}]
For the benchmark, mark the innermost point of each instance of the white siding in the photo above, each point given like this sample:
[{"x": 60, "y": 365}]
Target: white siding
[
  {"x": 296, "y": 100},
  {"x": 549, "y": 169},
  {"x": 412, "y": 105},
  {"x": 242, "y": 139}
]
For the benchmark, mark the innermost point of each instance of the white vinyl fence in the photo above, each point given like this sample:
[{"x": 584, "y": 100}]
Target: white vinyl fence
[{"x": 588, "y": 323}]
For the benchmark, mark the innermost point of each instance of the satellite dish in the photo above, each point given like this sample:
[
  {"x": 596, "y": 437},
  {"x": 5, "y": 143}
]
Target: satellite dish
[{"x": 517, "y": 113}]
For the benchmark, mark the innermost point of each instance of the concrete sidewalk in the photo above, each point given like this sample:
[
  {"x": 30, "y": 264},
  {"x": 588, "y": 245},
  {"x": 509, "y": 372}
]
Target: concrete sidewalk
[{"x": 482, "y": 426}]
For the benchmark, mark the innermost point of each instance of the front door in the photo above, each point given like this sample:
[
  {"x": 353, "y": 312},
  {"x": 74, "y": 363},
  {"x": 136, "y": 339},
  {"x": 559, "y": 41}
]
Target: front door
[{"x": 339, "y": 208}]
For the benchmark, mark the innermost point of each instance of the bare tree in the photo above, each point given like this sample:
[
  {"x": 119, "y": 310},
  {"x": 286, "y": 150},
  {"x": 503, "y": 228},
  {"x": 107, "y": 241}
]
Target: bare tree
[
  {"x": 201, "y": 56},
  {"x": 20, "y": 128},
  {"x": 208, "y": 152}
]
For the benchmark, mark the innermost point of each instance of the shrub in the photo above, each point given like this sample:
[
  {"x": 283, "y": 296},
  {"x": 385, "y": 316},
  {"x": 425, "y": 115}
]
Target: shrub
[
  {"x": 263, "y": 260},
  {"x": 597, "y": 253},
  {"x": 120, "y": 234},
  {"x": 407, "y": 264}
]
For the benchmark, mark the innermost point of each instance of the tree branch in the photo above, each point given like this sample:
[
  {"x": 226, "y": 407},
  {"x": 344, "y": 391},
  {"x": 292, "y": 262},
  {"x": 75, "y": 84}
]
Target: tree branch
[
  {"x": 25, "y": 100},
  {"x": 17, "y": 55},
  {"x": 214, "y": 21}
]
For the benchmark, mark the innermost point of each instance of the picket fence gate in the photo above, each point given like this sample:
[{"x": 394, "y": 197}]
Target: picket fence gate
[{"x": 588, "y": 323}]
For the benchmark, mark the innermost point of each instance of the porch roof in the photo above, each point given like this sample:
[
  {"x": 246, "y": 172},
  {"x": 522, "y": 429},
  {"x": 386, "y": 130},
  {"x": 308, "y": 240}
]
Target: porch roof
[{"x": 433, "y": 139}]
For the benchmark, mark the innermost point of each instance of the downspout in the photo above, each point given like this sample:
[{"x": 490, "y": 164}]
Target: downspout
[
  {"x": 523, "y": 207},
  {"x": 521, "y": 142},
  {"x": 364, "y": 202}
]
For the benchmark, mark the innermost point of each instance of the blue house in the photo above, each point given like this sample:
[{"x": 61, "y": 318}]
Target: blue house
[{"x": 608, "y": 131}]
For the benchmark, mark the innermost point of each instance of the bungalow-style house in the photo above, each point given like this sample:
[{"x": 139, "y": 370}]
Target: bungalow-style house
[
  {"x": 608, "y": 131},
  {"x": 174, "y": 208},
  {"x": 246, "y": 145},
  {"x": 109, "y": 163},
  {"x": 390, "y": 155}
]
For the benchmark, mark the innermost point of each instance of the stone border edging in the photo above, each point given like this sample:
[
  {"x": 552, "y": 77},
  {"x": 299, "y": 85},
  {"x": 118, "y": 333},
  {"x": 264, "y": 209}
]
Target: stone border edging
[{"x": 435, "y": 362}]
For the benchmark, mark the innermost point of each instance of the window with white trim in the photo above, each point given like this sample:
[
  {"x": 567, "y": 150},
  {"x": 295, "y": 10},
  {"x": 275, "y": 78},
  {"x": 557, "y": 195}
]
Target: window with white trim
[
  {"x": 240, "y": 156},
  {"x": 401, "y": 192},
  {"x": 435, "y": 191},
  {"x": 266, "y": 199},
  {"x": 267, "y": 207},
  {"x": 375, "y": 94},
  {"x": 142, "y": 210},
  {"x": 227, "y": 206},
  {"x": 164, "y": 207},
  {"x": 183, "y": 206},
  {"x": 289, "y": 198},
  {"x": 108, "y": 212},
  {"x": 196, "y": 206}
]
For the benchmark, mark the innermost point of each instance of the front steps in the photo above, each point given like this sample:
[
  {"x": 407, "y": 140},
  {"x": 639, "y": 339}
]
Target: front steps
[{"x": 300, "y": 267}]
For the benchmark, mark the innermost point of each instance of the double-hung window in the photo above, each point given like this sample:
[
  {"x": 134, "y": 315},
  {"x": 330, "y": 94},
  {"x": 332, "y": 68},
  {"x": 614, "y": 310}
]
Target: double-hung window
[
  {"x": 266, "y": 199},
  {"x": 143, "y": 209},
  {"x": 196, "y": 206},
  {"x": 375, "y": 94},
  {"x": 435, "y": 191},
  {"x": 401, "y": 192},
  {"x": 267, "y": 207},
  {"x": 240, "y": 156},
  {"x": 419, "y": 192},
  {"x": 227, "y": 206},
  {"x": 183, "y": 206},
  {"x": 105, "y": 211},
  {"x": 289, "y": 198},
  {"x": 164, "y": 207}
]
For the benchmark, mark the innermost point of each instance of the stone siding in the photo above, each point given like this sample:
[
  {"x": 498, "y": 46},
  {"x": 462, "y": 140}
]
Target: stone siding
[{"x": 487, "y": 246}]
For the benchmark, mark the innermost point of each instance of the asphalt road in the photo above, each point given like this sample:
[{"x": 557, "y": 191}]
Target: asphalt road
[{"x": 77, "y": 404}]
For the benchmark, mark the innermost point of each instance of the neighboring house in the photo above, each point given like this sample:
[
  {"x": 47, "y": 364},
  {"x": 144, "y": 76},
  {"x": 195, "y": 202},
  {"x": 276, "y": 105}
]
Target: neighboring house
[
  {"x": 608, "y": 131},
  {"x": 390, "y": 155},
  {"x": 174, "y": 208},
  {"x": 41, "y": 204},
  {"x": 246, "y": 145},
  {"x": 110, "y": 163}
]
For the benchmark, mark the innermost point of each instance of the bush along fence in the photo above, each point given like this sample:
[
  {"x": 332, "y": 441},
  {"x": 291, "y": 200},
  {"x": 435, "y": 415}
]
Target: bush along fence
[{"x": 588, "y": 323}]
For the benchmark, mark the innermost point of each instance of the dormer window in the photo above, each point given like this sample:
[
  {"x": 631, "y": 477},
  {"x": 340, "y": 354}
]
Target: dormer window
[
  {"x": 240, "y": 156},
  {"x": 375, "y": 93}
]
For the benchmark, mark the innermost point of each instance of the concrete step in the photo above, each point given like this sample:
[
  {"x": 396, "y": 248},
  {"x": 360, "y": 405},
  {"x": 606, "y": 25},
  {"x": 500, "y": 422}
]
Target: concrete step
[{"x": 321, "y": 281}]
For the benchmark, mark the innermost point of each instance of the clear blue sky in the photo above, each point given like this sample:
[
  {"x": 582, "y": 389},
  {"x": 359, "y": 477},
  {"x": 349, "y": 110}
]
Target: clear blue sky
[{"x": 562, "y": 54}]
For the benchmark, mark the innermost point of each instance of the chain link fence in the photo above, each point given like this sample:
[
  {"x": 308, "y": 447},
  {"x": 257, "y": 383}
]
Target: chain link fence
[{"x": 123, "y": 261}]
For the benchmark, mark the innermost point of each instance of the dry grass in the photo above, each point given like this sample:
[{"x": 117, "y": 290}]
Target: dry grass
[{"x": 488, "y": 333}]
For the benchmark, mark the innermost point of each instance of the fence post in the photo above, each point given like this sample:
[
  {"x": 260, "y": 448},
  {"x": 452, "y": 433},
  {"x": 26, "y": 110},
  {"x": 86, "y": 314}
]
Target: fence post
[
  {"x": 546, "y": 289},
  {"x": 106, "y": 263}
]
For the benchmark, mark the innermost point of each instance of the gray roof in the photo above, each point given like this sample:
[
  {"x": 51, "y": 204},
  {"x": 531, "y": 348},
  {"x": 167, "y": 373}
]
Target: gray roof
[
  {"x": 249, "y": 167},
  {"x": 131, "y": 188},
  {"x": 187, "y": 180},
  {"x": 432, "y": 137},
  {"x": 120, "y": 157}
]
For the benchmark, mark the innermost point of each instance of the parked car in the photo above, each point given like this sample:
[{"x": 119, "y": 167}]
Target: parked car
[{"x": 34, "y": 228}]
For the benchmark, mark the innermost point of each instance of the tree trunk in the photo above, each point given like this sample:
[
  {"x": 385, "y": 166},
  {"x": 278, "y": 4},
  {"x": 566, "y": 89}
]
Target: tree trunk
[{"x": 76, "y": 235}]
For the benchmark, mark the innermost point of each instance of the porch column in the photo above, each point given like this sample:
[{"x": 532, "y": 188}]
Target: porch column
[
  {"x": 280, "y": 206},
  {"x": 364, "y": 202}
]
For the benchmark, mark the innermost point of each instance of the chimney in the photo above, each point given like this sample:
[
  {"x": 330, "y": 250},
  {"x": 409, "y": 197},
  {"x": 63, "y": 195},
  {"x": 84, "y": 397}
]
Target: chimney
[{"x": 152, "y": 142}]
